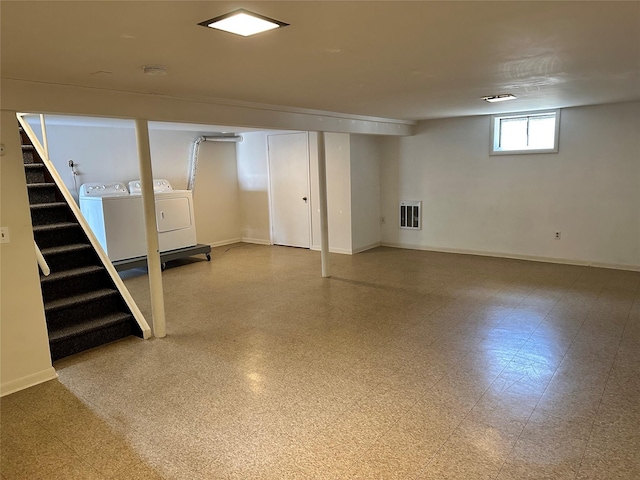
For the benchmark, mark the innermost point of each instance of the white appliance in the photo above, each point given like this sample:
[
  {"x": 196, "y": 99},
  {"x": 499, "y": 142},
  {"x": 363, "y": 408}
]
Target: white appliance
[
  {"x": 117, "y": 219},
  {"x": 174, "y": 214}
]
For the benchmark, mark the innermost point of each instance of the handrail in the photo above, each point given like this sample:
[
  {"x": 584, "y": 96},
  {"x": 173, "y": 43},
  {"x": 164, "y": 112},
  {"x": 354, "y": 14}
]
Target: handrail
[
  {"x": 137, "y": 314},
  {"x": 42, "y": 263},
  {"x": 45, "y": 142}
]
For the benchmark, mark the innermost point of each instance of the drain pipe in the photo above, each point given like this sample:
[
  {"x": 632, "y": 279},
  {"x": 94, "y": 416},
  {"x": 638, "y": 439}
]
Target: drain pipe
[
  {"x": 193, "y": 162},
  {"x": 195, "y": 150}
]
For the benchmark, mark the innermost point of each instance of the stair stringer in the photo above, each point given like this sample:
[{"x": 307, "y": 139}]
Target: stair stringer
[{"x": 124, "y": 292}]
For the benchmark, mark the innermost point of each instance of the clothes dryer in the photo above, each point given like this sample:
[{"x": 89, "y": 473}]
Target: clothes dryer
[{"x": 175, "y": 219}]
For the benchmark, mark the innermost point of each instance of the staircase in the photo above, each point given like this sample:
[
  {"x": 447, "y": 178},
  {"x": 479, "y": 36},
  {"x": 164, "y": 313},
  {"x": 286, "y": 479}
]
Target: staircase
[{"x": 82, "y": 306}]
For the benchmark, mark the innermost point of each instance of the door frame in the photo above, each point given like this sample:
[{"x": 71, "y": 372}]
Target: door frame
[{"x": 270, "y": 193}]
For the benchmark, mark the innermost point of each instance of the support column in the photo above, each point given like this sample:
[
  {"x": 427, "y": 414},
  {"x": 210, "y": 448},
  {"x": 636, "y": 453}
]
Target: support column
[
  {"x": 151, "y": 230},
  {"x": 324, "y": 219}
]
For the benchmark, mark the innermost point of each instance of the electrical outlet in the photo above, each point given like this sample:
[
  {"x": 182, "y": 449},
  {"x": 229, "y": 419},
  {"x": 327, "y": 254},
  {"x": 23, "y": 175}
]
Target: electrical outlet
[
  {"x": 558, "y": 235},
  {"x": 4, "y": 235}
]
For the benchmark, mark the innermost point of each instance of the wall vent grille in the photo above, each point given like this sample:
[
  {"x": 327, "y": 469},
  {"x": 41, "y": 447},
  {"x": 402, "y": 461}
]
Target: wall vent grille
[{"x": 410, "y": 215}]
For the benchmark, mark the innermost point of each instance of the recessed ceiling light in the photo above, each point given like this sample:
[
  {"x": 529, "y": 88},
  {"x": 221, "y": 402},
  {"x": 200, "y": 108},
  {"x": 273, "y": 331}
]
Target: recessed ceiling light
[
  {"x": 499, "y": 98},
  {"x": 242, "y": 22}
]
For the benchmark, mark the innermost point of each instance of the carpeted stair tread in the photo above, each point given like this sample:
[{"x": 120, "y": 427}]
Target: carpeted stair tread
[
  {"x": 79, "y": 299},
  {"x": 40, "y": 185},
  {"x": 34, "y": 166},
  {"x": 54, "y": 226},
  {"x": 30, "y": 154},
  {"x": 66, "y": 248},
  {"x": 43, "y": 206},
  {"x": 88, "y": 326},
  {"x": 74, "y": 272}
]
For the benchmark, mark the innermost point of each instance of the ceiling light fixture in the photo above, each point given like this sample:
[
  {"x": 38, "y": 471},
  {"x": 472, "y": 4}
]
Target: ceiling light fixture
[
  {"x": 242, "y": 22},
  {"x": 503, "y": 97},
  {"x": 154, "y": 70}
]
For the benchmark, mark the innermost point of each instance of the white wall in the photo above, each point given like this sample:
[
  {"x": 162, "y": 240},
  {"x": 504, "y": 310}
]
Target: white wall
[
  {"x": 511, "y": 205},
  {"x": 365, "y": 192},
  {"x": 337, "y": 153},
  {"x": 108, "y": 153},
  {"x": 215, "y": 197},
  {"x": 253, "y": 187},
  {"x": 24, "y": 354}
]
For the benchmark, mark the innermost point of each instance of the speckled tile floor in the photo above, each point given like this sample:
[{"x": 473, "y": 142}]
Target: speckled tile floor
[{"x": 403, "y": 365}]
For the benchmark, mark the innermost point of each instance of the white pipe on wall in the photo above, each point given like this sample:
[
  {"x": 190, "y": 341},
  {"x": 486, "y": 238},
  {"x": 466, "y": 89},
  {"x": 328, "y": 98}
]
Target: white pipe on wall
[
  {"x": 195, "y": 151},
  {"x": 193, "y": 163},
  {"x": 151, "y": 230},
  {"x": 324, "y": 218}
]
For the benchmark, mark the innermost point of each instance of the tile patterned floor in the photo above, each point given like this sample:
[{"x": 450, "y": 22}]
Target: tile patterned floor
[{"x": 404, "y": 365}]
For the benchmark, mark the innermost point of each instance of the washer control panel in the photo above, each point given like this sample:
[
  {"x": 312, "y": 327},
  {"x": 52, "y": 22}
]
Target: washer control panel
[
  {"x": 103, "y": 189},
  {"x": 160, "y": 185}
]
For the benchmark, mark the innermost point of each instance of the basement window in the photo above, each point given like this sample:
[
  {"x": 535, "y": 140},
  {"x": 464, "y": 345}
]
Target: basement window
[{"x": 529, "y": 132}]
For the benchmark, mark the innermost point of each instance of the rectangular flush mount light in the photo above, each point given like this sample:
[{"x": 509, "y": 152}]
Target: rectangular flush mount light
[{"x": 242, "y": 22}]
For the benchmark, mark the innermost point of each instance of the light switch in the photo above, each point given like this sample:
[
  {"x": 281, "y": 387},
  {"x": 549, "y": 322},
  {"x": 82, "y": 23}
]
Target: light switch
[{"x": 4, "y": 235}]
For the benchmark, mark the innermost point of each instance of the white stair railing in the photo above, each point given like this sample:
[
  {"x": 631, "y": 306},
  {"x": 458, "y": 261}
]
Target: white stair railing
[{"x": 44, "y": 154}]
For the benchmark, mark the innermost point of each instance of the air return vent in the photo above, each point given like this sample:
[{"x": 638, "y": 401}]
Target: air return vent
[{"x": 410, "y": 215}]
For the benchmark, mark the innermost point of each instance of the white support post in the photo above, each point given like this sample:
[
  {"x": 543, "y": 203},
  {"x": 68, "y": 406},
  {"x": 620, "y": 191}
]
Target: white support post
[
  {"x": 324, "y": 219},
  {"x": 151, "y": 230}
]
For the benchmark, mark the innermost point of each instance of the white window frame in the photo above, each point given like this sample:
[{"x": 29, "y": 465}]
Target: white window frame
[{"x": 495, "y": 133}]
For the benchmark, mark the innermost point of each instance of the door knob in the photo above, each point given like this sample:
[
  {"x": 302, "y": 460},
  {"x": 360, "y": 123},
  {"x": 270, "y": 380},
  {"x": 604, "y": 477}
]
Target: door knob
[{"x": 304, "y": 198}]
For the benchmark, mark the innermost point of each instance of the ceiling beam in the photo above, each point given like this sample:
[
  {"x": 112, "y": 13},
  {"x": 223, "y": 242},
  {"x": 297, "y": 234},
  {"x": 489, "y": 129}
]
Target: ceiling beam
[{"x": 40, "y": 97}]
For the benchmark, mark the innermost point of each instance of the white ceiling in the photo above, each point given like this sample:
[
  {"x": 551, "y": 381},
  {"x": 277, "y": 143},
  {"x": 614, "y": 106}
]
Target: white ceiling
[{"x": 404, "y": 60}]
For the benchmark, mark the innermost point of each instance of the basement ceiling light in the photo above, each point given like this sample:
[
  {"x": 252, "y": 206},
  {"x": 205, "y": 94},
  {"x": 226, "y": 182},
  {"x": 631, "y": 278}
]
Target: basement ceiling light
[
  {"x": 242, "y": 22},
  {"x": 154, "y": 70},
  {"x": 499, "y": 98}
]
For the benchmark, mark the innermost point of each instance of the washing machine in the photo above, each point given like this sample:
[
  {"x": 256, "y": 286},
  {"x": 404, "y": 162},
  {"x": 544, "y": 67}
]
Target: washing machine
[
  {"x": 116, "y": 219},
  {"x": 175, "y": 219}
]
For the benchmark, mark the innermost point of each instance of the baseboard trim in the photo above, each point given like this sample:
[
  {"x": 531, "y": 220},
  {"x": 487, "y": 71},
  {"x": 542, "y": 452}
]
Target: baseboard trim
[
  {"x": 531, "y": 258},
  {"x": 257, "y": 241},
  {"x": 225, "y": 242},
  {"x": 365, "y": 248},
  {"x": 343, "y": 251},
  {"x": 28, "y": 381}
]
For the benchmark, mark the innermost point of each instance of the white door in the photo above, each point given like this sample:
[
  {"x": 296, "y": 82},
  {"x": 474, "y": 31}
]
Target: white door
[{"x": 290, "y": 199}]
